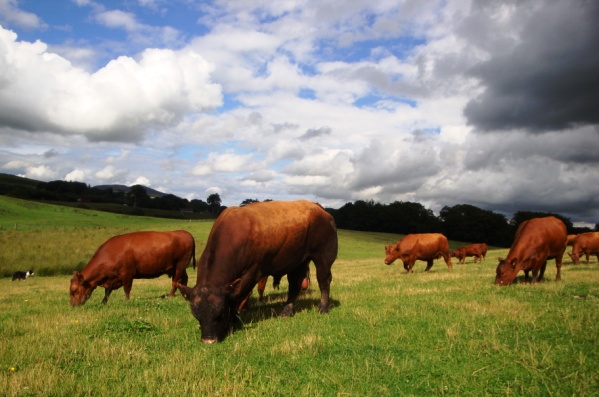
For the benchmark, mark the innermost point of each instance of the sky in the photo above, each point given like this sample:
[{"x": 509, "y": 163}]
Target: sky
[{"x": 441, "y": 102}]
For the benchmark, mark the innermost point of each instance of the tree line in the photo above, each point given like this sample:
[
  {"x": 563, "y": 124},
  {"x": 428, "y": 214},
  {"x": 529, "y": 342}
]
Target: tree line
[{"x": 462, "y": 222}]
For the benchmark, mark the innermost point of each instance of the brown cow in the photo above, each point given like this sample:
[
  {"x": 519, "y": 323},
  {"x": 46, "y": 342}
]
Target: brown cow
[
  {"x": 134, "y": 256},
  {"x": 536, "y": 241},
  {"x": 425, "y": 247},
  {"x": 260, "y": 239},
  {"x": 571, "y": 239},
  {"x": 478, "y": 251},
  {"x": 587, "y": 244}
]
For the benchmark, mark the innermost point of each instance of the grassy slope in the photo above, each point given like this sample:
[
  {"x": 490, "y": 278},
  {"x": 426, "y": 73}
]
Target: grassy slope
[{"x": 388, "y": 333}]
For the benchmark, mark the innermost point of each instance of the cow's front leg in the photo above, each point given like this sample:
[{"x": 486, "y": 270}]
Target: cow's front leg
[
  {"x": 107, "y": 292},
  {"x": 542, "y": 272},
  {"x": 429, "y": 264}
]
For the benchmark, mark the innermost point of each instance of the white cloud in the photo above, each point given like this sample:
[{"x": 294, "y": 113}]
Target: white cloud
[
  {"x": 77, "y": 176},
  {"x": 120, "y": 102},
  {"x": 40, "y": 172},
  {"x": 227, "y": 162},
  {"x": 11, "y": 14}
]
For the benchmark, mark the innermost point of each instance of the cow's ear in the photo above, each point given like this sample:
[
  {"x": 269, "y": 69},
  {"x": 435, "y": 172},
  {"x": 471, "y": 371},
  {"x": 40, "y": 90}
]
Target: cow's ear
[
  {"x": 513, "y": 262},
  {"x": 78, "y": 276},
  {"x": 185, "y": 291}
]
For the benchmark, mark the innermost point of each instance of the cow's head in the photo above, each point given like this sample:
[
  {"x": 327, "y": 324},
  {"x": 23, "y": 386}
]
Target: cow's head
[
  {"x": 212, "y": 307},
  {"x": 506, "y": 271},
  {"x": 391, "y": 253},
  {"x": 454, "y": 253},
  {"x": 80, "y": 289},
  {"x": 575, "y": 256}
]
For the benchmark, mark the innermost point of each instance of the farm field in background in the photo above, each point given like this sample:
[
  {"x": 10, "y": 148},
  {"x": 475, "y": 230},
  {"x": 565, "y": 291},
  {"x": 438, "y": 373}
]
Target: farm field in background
[{"x": 388, "y": 333}]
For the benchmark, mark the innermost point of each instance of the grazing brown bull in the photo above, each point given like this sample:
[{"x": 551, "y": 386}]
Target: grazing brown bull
[
  {"x": 536, "y": 241},
  {"x": 134, "y": 255},
  {"x": 260, "y": 239},
  {"x": 587, "y": 244},
  {"x": 478, "y": 251},
  {"x": 425, "y": 247}
]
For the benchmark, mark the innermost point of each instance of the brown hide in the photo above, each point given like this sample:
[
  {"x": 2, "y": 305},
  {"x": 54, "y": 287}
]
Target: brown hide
[
  {"x": 478, "y": 251},
  {"x": 585, "y": 244},
  {"x": 135, "y": 255},
  {"x": 425, "y": 247},
  {"x": 571, "y": 239},
  {"x": 248, "y": 243},
  {"x": 536, "y": 241}
]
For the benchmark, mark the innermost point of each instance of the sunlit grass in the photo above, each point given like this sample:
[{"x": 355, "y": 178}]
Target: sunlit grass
[{"x": 388, "y": 333}]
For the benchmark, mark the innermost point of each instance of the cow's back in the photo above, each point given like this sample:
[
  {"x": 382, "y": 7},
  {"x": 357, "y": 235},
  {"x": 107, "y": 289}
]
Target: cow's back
[
  {"x": 545, "y": 236},
  {"x": 147, "y": 252},
  {"x": 427, "y": 244},
  {"x": 589, "y": 240},
  {"x": 272, "y": 234}
]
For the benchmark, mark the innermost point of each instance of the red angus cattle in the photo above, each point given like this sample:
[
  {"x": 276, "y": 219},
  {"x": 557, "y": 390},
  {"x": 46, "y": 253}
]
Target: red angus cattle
[
  {"x": 571, "y": 239},
  {"x": 536, "y": 241},
  {"x": 425, "y": 247},
  {"x": 483, "y": 250},
  {"x": 134, "y": 256},
  {"x": 260, "y": 239},
  {"x": 478, "y": 251},
  {"x": 587, "y": 244}
]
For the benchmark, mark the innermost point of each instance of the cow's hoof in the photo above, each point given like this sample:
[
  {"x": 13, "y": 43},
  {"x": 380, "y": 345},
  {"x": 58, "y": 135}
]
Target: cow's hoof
[
  {"x": 287, "y": 311},
  {"x": 323, "y": 310}
]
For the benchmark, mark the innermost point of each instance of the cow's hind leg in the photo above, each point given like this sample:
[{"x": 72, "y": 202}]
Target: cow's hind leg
[
  {"x": 324, "y": 277},
  {"x": 181, "y": 278},
  {"x": 447, "y": 259},
  {"x": 127, "y": 284},
  {"x": 294, "y": 278}
]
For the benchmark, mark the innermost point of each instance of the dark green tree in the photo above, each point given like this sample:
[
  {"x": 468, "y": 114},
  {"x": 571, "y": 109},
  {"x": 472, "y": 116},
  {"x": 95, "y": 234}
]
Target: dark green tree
[
  {"x": 214, "y": 203},
  {"x": 137, "y": 196},
  {"x": 248, "y": 201},
  {"x": 467, "y": 223}
]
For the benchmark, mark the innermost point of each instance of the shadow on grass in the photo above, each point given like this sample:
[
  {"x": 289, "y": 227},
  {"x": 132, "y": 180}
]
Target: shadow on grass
[{"x": 272, "y": 305}]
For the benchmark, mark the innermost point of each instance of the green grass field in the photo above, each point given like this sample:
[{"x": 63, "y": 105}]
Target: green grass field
[{"x": 388, "y": 333}]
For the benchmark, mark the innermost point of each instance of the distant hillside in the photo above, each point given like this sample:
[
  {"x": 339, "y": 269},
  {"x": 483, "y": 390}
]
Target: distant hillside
[
  {"x": 125, "y": 189},
  {"x": 110, "y": 198}
]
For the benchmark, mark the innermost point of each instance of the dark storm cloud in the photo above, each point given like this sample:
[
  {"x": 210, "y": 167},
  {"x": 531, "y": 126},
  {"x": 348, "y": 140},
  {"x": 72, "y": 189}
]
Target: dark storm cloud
[{"x": 548, "y": 79}]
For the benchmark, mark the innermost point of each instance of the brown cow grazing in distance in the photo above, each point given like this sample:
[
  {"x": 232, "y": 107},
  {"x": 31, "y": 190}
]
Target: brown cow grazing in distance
[
  {"x": 134, "y": 256},
  {"x": 425, "y": 247},
  {"x": 246, "y": 244},
  {"x": 478, "y": 251},
  {"x": 587, "y": 244},
  {"x": 571, "y": 239},
  {"x": 536, "y": 241}
]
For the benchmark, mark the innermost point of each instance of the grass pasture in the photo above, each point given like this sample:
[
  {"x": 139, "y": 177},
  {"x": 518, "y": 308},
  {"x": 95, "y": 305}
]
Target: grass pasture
[{"x": 388, "y": 333}]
